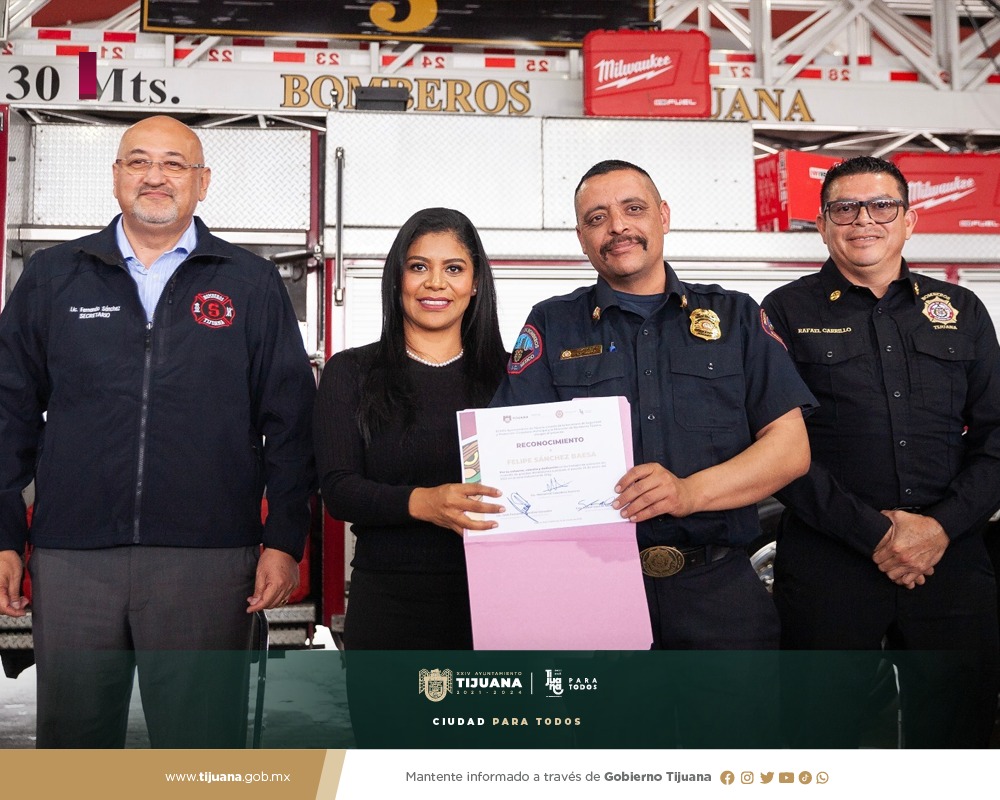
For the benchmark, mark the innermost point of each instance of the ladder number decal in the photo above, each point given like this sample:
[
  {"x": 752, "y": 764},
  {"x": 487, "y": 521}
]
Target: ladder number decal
[
  {"x": 328, "y": 59},
  {"x": 46, "y": 82},
  {"x": 432, "y": 62},
  {"x": 839, "y": 74},
  {"x": 225, "y": 56},
  {"x": 8, "y": 49},
  {"x": 112, "y": 52},
  {"x": 537, "y": 65},
  {"x": 740, "y": 71}
]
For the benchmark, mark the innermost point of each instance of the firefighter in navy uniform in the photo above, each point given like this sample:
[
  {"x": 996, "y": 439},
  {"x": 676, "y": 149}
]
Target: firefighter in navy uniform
[
  {"x": 717, "y": 425},
  {"x": 882, "y": 540}
]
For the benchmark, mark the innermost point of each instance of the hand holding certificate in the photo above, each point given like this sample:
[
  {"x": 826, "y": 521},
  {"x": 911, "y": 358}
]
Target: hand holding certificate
[
  {"x": 555, "y": 463},
  {"x": 560, "y": 571}
]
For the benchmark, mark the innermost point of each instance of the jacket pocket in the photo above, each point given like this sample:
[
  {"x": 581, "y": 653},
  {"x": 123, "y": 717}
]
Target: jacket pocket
[
  {"x": 708, "y": 386},
  {"x": 590, "y": 376},
  {"x": 834, "y": 363},
  {"x": 942, "y": 361}
]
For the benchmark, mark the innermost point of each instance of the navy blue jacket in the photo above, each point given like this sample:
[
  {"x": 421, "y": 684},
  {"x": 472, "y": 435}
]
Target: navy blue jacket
[
  {"x": 162, "y": 433},
  {"x": 699, "y": 394}
]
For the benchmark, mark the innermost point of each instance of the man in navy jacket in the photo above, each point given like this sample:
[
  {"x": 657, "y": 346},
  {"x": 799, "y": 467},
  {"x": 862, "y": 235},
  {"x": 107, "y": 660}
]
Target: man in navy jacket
[{"x": 153, "y": 383}]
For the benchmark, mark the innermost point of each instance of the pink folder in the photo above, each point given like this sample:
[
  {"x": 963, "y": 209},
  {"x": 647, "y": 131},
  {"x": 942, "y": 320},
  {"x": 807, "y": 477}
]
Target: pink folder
[{"x": 578, "y": 588}]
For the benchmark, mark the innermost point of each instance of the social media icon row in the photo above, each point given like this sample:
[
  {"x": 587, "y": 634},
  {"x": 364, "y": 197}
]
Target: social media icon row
[{"x": 747, "y": 776}]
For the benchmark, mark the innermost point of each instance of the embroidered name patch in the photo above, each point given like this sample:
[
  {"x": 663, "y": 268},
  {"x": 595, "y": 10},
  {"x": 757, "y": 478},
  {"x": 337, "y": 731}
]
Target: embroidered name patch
[
  {"x": 527, "y": 349},
  {"x": 213, "y": 310},
  {"x": 94, "y": 312}
]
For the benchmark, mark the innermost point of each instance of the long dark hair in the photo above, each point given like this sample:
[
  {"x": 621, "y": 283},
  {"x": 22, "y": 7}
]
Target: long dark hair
[{"x": 387, "y": 391}]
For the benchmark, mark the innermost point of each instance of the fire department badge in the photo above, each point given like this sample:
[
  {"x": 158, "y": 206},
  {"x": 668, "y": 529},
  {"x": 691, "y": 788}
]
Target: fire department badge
[
  {"x": 527, "y": 348},
  {"x": 213, "y": 310},
  {"x": 434, "y": 684},
  {"x": 705, "y": 324},
  {"x": 939, "y": 310}
]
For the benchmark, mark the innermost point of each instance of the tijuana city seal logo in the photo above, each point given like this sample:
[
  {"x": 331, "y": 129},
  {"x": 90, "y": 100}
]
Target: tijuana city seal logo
[
  {"x": 939, "y": 310},
  {"x": 705, "y": 324},
  {"x": 435, "y": 684},
  {"x": 213, "y": 310}
]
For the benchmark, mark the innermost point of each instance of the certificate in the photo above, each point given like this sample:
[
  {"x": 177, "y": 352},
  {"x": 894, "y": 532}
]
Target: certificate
[
  {"x": 561, "y": 571},
  {"x": 556, "y": 463}
]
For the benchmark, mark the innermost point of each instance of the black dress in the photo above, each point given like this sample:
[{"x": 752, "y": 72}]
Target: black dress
[{"x": 408, "y": 586}]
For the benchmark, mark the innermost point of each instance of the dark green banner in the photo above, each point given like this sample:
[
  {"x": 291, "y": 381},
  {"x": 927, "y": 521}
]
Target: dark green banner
[{"x": 498, "y": 700}]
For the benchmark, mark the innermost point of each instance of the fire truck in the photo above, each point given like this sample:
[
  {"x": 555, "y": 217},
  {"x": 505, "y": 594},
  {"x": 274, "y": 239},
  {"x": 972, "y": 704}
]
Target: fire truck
[{"x": 321, "y": 147}]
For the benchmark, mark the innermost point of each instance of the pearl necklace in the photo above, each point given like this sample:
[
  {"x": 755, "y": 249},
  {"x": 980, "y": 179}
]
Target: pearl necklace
[{"x": 424, "y": 361}]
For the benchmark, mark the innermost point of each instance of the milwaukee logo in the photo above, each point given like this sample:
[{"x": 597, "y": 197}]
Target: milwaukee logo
[
  {"x": 924, "y": 194},
  {"x": 616, "y": 73}
]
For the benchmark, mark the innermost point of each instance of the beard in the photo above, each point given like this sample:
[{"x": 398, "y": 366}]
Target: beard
[{"x": 155, "y": 215}]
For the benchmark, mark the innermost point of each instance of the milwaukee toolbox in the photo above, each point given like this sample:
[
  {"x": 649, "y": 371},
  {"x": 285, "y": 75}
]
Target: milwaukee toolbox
[
  {"x": 646, "y": 74},
  {"x": 788, "y": 187},
  {"x": 953, "y": 193}
]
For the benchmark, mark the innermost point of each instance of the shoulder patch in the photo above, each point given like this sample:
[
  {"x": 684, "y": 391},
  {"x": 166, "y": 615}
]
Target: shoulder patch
[
  {"x": 939, "y": 310},
  {"x": 768, "y": 326},
  {"x": 527, "y": 350}
]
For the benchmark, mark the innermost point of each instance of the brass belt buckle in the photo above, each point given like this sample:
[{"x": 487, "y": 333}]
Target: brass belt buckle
[{"x": 661, "y": 561}]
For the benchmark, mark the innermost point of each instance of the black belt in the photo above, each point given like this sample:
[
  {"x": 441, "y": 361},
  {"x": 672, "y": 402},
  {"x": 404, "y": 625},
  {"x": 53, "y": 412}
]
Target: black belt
[{"x": 663, "y": 561}]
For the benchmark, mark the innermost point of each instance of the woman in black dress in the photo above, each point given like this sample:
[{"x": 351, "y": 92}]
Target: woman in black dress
[{"x": 387, "y": 438}]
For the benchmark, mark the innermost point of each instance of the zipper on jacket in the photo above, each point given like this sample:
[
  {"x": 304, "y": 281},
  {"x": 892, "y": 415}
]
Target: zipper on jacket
[
  {"x": 143, "y": 420},
  {"x": 172, "y": 283}
]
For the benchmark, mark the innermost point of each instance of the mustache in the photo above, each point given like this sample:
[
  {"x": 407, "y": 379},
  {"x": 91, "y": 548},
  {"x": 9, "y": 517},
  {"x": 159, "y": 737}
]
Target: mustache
[{"x": 617, "y": 240}]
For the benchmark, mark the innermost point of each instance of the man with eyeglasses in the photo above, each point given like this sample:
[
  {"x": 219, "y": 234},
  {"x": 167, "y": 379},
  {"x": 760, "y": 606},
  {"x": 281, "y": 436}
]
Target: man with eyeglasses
[
  {"x": 881, "y": 544},
  {"x": 153, "y": 382}
]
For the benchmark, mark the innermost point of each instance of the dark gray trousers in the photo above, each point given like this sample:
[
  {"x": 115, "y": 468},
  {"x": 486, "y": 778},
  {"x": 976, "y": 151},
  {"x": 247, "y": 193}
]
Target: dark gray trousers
[{"x": 177, "y": 614}]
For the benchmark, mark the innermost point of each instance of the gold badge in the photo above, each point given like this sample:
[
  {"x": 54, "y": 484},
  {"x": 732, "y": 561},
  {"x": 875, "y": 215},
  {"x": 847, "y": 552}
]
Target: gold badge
[
  {"x": 581, "y": 352},
  {"x": 939, "y": 310},
  {"x": 596, "y": 315},
  {"x": 661, "y": 561},
  {"x": 834, "y": 295},
  {"x": 705, "y": 324}
]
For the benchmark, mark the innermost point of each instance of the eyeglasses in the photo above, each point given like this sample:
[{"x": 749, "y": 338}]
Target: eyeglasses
[
  {"x": 140, "y": 166},
  {"x": 844, "y": 212}
]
